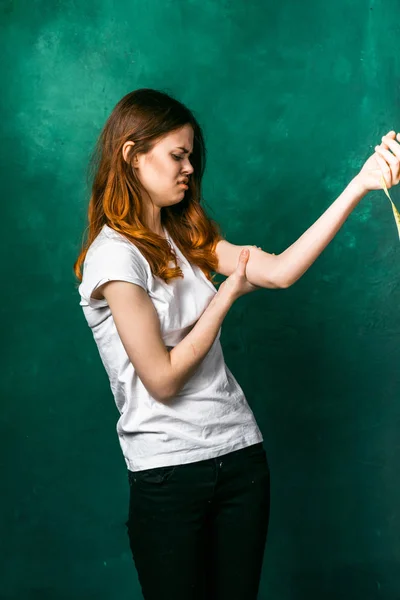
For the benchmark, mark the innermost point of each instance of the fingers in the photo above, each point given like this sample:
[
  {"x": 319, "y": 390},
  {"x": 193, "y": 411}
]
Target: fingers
[
  {"x": 389, "y": 151},
  {"x": 243, "y": 258},
  {"x": 244, "y": 255},
  {"x": 384, "y": 167},
  {"x": 389, "y": 135},
  {"x": 392, "y": 159},
  {"x": 388, "y": 142}
]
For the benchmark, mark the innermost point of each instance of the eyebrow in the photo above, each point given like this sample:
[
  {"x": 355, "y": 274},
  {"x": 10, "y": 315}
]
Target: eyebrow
[{"x": 184, "y": 149}]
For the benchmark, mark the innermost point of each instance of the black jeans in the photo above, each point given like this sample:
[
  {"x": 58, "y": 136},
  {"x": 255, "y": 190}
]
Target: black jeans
[{"x": 197, "y": 531}]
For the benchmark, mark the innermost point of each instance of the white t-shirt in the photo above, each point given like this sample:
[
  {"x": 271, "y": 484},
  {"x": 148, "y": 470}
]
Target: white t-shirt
[{"x": 209, "y": 416}]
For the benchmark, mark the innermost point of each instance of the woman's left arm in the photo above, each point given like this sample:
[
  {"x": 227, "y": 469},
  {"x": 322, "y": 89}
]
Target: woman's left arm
[{"x": 269, "y": 271}]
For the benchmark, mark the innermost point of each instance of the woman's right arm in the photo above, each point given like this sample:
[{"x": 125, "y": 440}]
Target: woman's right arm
[{"x": 164, "y": 373}]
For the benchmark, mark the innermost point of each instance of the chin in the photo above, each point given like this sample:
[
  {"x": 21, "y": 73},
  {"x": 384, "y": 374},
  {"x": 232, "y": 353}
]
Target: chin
[{"x": 173, "y": 200}]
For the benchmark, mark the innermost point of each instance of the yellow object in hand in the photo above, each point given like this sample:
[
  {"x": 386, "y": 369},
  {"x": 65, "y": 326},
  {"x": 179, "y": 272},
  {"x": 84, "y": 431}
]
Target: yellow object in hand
[{"x": 395, "y": 211}]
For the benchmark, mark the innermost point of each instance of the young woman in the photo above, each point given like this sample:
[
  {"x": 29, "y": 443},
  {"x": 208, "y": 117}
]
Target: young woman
[{"x": 197, "y": 469}]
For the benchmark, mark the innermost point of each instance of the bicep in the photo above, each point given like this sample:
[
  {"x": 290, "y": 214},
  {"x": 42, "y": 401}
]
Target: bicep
[
  {"x": 262, "y": 267},
  {"x": 138, "y": 327}
]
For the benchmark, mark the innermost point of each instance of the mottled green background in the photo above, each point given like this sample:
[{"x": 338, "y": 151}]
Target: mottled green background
[{"x": 292, "y": 97}]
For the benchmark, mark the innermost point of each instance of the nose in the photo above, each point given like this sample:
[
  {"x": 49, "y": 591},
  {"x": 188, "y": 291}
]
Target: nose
[{"x": 188, "y": 167}]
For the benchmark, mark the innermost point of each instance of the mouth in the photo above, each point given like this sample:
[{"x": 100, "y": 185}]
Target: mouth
[{"x": 184, "y": 185}]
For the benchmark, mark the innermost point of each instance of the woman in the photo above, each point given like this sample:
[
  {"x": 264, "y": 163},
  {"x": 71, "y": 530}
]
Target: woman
[{"x": 197, "y": 469}]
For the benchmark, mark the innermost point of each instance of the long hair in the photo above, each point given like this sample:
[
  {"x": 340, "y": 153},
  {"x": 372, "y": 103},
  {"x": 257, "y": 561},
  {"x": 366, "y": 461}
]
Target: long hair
[{"x": 144, "y": 116}]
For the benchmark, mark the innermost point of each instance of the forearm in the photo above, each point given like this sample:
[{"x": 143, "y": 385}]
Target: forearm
[
  {"x": 186, "y": 356},
  {"x": 296, "y": 259}
]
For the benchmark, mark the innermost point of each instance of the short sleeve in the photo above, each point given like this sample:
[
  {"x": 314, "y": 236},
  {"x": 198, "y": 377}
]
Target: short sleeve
[{"x": 111, "y": 261}]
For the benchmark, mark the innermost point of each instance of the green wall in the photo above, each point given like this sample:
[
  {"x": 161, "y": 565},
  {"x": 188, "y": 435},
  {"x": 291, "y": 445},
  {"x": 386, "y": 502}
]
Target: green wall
[{"x": 292, "y": 97}]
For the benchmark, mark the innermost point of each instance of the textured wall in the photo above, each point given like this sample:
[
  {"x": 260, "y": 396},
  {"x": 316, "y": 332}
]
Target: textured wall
[{"x": 292, "y": 97}]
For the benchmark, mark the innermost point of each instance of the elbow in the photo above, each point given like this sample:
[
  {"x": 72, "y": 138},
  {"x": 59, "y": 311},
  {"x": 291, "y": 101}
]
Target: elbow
[
  {"x": 282, "y": 279},
  {"x": 161, "y": 384},
  {"x": 278, "y": 277},
  {"x": 159, "y": 390},
  {"x": 158, "y": 397},
  {"x": 279, "y": 282},
  {"x": 163, "y": 398},
  {"x": 283, "y": 284},
  {"x": 275, "y": 283},
  {"x": 164, "y": 394}
]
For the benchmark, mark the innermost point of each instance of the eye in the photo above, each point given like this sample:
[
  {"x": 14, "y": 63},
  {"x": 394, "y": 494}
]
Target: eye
[{"x": 177, "y": 157}]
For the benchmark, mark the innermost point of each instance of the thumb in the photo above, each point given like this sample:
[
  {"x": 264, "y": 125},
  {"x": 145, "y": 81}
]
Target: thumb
[{"x": 242, "y": 262}]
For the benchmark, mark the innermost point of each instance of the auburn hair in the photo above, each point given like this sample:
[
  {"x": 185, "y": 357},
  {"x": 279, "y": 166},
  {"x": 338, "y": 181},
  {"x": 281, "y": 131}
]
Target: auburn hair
[{"x": 144, "y": 116}]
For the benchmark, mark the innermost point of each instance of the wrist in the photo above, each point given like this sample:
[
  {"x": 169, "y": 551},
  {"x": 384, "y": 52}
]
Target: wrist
[
  {"x": 358, "y": 187},
  {"x": 224, "y": 298}
]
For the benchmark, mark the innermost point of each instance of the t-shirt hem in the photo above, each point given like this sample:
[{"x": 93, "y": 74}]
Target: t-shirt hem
[{"x": 167, "y": 460}]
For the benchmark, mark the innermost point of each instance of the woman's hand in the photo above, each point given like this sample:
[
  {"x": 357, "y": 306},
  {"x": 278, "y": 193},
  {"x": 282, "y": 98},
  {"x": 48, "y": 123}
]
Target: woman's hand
[
  {"x": 237, "y": 284},
  {"x": 385, "y": 161}
]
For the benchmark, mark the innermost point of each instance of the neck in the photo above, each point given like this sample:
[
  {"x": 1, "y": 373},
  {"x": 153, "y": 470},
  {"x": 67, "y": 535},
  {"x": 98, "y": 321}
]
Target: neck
[{"x": 153, "y": 220}]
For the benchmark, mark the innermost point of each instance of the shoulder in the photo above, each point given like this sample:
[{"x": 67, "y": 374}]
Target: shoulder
[
  {"x": 114, "y": 256},
  {"x": 111, "y": 257},
  {"x": 111, "y": 245}
]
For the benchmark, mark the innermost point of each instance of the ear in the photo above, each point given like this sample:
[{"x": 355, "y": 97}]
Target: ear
[{"x": 126, "y": 150}]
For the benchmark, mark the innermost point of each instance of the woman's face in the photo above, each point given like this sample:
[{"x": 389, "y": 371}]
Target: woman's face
[{"x": 162, "y": 170}]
